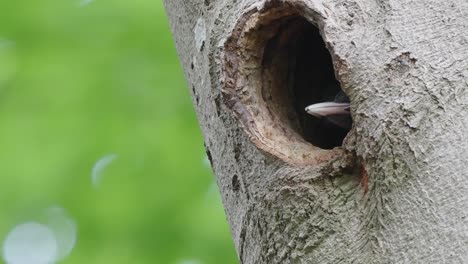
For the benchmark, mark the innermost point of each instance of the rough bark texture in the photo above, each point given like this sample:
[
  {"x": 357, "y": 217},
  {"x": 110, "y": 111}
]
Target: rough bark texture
[{"x": 396, "y": 191}]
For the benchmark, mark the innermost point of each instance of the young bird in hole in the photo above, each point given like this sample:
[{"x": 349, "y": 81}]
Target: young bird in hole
[{"x": 336, "y": 112}]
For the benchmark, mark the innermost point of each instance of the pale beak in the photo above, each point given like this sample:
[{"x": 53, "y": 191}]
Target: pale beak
[{"x": 328, "y": 109}]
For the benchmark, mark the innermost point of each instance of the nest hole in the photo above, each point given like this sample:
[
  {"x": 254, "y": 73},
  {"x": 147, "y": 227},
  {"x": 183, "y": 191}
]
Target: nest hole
[
  {"x": 275, "y": 64},
  {"x": 298, "y": 71}
]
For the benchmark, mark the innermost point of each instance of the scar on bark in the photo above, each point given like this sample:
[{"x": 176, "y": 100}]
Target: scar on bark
[
  {"x": 275, "y": 63},
  {"x": 364, "y": 178}
]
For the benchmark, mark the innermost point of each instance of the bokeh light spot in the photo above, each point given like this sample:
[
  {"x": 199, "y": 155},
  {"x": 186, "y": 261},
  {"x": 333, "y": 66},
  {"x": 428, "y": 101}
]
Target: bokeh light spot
[
  {"x": 30, "y": 243},
  {"x": 64, "y": 229},
  {"x": 85, "y": 2},
  {"x": 99, "y": 166},
  {"x": 9, "y": 61},
  {"x": 189, "y": 261},
  {"x": 206, "y": 162}
]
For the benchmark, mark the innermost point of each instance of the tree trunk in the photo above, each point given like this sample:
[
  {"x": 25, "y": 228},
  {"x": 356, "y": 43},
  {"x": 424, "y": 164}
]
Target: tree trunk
[{"x": 395, "y": 190}]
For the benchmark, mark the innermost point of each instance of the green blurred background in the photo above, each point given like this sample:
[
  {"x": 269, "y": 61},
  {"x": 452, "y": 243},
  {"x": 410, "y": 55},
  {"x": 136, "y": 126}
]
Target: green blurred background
[{"x": 83, "y": 79}]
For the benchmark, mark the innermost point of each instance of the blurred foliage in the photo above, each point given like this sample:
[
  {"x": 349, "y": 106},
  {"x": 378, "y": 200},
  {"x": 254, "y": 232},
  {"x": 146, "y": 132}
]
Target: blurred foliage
[{"x": 82, "y": 79}]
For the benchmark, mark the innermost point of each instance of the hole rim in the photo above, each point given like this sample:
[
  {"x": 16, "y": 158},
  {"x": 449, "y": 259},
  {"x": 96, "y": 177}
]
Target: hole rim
[{"x": 242, "y": 87}]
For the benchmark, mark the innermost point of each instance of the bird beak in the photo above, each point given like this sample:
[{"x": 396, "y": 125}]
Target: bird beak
[{"x": 328, "y": 108}]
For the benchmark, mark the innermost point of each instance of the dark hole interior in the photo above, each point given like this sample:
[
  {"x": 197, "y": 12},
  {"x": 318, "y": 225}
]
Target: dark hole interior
[{"x": 299, "y": 50}]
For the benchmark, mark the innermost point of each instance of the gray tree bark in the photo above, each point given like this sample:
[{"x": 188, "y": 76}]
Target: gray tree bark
[{"x": 396, "y": 190}]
